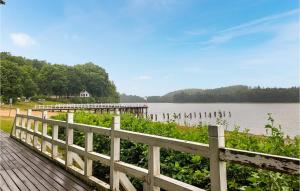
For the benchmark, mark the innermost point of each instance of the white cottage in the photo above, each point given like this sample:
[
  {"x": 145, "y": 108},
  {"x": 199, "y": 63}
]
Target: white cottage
[{"x": 84, "y": 93}]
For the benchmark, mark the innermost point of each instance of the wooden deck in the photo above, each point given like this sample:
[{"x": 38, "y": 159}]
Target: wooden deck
[{"x": 23, "y": 169}]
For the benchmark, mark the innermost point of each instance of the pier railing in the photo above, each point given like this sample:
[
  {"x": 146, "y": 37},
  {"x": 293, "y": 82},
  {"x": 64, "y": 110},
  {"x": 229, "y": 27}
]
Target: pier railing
[
  {"x": 88, "y": 106},
  {"x": 33, "y": 132}
]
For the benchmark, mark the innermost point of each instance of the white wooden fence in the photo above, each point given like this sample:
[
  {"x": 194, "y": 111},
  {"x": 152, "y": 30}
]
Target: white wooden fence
[{"x": 26, "y": 130}]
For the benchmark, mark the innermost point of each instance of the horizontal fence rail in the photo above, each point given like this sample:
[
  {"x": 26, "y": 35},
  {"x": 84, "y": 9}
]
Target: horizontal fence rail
[{"x": 33, "y": 132}]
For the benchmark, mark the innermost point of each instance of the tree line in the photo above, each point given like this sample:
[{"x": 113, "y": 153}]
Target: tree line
[
  {"x": 244, "y": 94},
  {"x": 230, "y": 94},
  {"x": 21, "y": 77}
]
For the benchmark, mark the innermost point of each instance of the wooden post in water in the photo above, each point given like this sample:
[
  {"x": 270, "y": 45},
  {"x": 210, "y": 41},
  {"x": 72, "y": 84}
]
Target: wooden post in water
[{"x": 217, "y": 167}]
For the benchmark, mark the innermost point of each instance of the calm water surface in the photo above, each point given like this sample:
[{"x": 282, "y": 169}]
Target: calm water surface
[{"x": 246, "y": 115}]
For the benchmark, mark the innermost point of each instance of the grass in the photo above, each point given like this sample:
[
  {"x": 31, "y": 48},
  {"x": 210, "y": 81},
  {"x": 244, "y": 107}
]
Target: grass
[
  {"x": 29, "y": 105},
  {"x": 6, "y": 123}
]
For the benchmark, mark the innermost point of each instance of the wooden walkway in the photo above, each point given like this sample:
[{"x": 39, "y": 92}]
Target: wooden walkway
[{"x": 23, "y": 169}]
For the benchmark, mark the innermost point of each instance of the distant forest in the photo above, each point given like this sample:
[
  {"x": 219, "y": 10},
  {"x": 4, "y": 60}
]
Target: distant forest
[
  {"x": 35, "y": 78},
  {"x": 31, "y": 78},
  {"x": 230, "y": 94}
]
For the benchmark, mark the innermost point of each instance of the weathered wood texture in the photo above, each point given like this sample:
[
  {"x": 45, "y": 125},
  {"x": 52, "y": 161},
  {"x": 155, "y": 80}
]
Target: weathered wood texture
[
  {"x": 23, "y": 169},
  {"x": 260, "y": 160},
  {"x": 153, "y": 180}
]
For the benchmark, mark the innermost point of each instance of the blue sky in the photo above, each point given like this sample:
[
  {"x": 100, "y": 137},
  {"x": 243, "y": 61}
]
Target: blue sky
[{"x": 151, "y": 47}]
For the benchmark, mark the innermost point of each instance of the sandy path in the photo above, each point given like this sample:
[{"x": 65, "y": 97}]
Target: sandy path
[{"x": 12, "y": 113}]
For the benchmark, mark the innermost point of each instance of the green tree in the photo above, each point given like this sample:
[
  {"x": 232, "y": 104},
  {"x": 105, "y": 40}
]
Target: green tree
[{"x": 11, "y": 80}]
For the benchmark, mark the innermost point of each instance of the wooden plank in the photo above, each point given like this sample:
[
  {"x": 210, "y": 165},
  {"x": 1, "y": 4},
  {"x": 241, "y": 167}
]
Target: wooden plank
[
  {"x": 277, "y": 163},
  {"x": 114, "y": 178},
  {"x": 69, "y": 139},
  {"x": 76, "y": 149},
  {"x": 54, "y": 138},
  {"x": 171, "y": 184},
  {"x": 22, "y": 174},
  {"x": 164, "y": 142},
  {"x": 51, "y": 170},
  {"x": 153, "y": 166},
  {"x": 125, "y": 183},
  {"x": 44, "y": 131},
  {"x": 58, "y": 171},
  {"x": 46, "y": 175},
  {"x": 9, "y": 181},
  {"x": 91, "y": 128},
  {"x": 42, "y": 120},
  {"x": 14, "y": 177},
  {"x": 3, "y": 185},
  {"x": 88, "y": 163},
  {"x": 132, "y": 170},
  {"x": 103, "y": 159},
  {"x": 218, "y": 177},
  {"x": 29, "y": 172}
]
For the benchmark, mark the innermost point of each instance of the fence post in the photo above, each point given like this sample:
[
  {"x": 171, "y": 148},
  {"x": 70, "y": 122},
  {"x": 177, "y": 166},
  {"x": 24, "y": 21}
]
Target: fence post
[
  {"x": 44, "y": 131},
  {"x": 217, "y": 168},
  {"x": 54, "y": 137},
  {"x": 29, "y": 112},
  {"x": 153, "y": 166},
  {"x": 35, "y": 138},
  {"x": 88, "y": 164},
  {"x": 114, "y": 154},
  {"x": 17, "y": 123},
  {"x": 69, "y": 140},
  {"x": 22, "y": 132}
]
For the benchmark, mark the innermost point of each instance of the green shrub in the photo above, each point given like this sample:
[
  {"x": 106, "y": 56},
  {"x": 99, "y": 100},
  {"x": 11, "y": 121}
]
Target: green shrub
[{"x": 194, "y": 169}]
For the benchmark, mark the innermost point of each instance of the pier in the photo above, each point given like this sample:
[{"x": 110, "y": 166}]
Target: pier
[{"x": 136, "y": 109}]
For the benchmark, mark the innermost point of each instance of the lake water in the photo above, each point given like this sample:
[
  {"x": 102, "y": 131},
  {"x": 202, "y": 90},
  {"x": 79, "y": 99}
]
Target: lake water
[{"x": 246, "y": 115}]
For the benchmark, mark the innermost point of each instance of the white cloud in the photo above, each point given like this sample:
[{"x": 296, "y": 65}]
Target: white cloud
[
  {"x": 265, "y": 24},
  {"x": 22, "y": 39}
]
